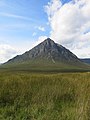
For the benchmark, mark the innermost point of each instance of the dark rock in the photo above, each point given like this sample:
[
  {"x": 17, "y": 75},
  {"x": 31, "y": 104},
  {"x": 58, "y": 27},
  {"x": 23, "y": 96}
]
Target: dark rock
[{"x": 49, "y": 50}]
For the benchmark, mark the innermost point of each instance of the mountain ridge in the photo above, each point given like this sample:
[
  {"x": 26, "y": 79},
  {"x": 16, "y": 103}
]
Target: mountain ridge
[
  {"x": 47, "y": 49},
  {"x": 47, "y": 54},
  {"x": 86, "y": 60}
]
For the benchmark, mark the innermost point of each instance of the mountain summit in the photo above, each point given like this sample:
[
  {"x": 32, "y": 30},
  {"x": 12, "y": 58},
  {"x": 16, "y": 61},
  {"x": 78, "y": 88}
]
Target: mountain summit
[
  {"x": 47, "y": 53},
  {"x": 47, "y": 50}
]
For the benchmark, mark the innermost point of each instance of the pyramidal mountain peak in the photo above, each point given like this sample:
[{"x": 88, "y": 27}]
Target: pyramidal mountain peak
[
  {"x": 48, "y": 42},
  {"x": 47, "y": 50},
  {"x": 48, "y": 55}
]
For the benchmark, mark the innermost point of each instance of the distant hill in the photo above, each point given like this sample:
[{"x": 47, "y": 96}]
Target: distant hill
[
  {"x": 86, "y": 60},
  {"x": 47, "y": 55}
]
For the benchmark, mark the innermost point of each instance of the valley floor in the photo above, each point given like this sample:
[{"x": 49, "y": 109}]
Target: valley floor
[{"x": 39, "y": 96}]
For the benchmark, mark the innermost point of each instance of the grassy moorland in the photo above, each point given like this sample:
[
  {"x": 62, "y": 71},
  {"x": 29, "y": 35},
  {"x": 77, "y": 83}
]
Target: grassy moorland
[{"x": 41, "y": 96}]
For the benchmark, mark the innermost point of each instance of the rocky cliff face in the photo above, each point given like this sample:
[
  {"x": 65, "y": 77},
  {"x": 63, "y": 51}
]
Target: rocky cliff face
[{"x": 49, "y": 50}]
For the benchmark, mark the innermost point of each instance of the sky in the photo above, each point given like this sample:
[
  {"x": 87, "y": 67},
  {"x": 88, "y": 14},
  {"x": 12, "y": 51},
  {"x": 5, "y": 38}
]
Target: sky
[{"x": 25, "y": 23}]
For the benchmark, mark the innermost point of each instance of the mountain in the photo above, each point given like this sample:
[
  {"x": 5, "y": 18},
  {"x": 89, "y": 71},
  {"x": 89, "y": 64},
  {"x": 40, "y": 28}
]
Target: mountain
[
  {"x": 47, "y": 55},
  {"x": 86, "y": 60},
  {"x": 49, "y": 50}
]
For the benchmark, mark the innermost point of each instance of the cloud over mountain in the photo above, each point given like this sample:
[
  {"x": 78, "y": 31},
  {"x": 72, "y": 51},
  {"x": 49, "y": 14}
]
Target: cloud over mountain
[
  {"x": 6, "y": 52},
  {"x": 70, "y": 24}
]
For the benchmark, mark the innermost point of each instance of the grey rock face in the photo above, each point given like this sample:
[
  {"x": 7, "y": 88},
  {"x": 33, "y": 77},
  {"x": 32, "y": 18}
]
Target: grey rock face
[{"x": 49, "y": 50}]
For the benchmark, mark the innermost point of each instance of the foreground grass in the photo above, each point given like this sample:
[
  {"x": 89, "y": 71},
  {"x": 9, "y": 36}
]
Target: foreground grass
[{"x": 30, "y": 96}]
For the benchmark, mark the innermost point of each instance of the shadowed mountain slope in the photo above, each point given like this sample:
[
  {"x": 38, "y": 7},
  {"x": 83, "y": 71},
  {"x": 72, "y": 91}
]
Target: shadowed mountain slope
[
  {"x": 47, "y": 55},
  {"x": 86, "y": 60}
]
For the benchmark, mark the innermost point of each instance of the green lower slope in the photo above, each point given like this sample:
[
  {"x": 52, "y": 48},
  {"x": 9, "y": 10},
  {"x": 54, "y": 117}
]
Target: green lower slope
[{"x": 46, "y": 65}]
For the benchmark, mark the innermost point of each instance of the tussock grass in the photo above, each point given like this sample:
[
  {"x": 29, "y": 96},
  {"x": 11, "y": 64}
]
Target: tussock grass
[{"x": 36, "y": 96}]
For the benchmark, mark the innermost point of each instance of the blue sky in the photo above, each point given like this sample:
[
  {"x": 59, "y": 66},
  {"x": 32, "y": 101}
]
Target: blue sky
[
  {"x": 24, "y": 22},
  {"x": 21, "y": 24},
  {"x": 20, "y": 19}
]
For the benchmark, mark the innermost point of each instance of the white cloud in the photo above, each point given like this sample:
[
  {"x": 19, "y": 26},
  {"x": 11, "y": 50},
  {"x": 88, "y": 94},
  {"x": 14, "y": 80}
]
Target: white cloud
[
  {"x": 10, "y": 49},
  {"x": 52, "y": 7},
  {"x": 40, "y": 39},
  {"x": 6, "y": 52},
  {"x": 14, "y": 16},
  {"x": 70, "y": 24},
  {"x": 41, "y": 28},
  {"x": 8, "y": 27},
  {"x": 34, "y": 34}
]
